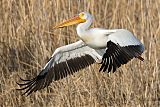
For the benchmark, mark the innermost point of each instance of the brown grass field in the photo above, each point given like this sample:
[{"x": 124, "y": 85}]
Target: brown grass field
[{"x": 27, "y": 41}]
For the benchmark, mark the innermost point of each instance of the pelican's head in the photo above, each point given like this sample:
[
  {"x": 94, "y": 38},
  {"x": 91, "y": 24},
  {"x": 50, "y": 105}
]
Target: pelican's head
[{"x": 80, "y": 18}]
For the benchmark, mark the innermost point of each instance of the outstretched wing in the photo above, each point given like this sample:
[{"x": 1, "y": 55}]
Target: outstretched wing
[
  {"x": 65, "y": 61},
  {"x": 122, "y": 46}
]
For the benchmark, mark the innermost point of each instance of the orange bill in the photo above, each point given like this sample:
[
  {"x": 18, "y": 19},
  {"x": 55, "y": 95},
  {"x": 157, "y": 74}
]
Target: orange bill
[{"x": 73, "y": 21}]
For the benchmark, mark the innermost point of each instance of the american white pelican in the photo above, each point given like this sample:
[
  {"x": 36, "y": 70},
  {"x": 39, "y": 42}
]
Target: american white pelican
[{"x": 110, "y": 48}]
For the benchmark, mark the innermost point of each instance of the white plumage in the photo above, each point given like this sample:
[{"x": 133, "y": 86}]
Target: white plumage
[{"x": 110, "y": 48}]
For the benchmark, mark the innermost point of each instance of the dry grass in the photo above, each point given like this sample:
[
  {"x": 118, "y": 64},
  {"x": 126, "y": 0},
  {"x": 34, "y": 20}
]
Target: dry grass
[{"x": 27, "y": 41}]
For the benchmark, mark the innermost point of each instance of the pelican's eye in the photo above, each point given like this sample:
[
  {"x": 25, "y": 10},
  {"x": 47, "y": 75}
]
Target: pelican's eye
[{"x": 81, "y": 15}]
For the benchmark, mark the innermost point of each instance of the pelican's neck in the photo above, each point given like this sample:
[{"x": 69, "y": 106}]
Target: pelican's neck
[{"x": 82, "y": 28}]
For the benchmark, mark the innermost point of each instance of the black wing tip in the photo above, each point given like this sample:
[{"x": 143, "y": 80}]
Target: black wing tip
[
  {"x": 27, "y": 86},
  {"x": 34, "y": 84},
  {"x": 140, "y": 58}
]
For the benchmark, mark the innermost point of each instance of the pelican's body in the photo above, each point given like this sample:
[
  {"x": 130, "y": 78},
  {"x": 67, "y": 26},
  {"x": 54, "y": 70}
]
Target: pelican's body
[{"x": 110, "y": 48}]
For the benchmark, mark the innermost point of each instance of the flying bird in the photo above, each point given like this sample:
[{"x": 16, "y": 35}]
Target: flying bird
[{"x": 110, "y": 48}]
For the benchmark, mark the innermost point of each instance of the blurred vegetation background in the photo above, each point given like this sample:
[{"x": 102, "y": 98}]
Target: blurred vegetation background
[{"x": 27, "y": 41}]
